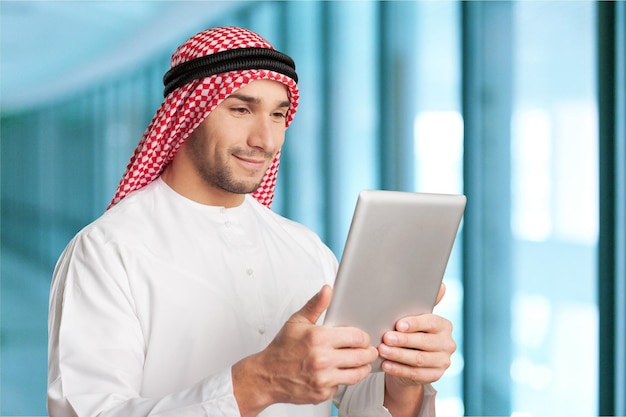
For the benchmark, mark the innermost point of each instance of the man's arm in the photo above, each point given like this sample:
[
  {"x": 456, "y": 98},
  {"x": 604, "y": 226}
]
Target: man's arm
[
  {"x": 97, "y": 352},
  {"x": 96, "y": 346}
]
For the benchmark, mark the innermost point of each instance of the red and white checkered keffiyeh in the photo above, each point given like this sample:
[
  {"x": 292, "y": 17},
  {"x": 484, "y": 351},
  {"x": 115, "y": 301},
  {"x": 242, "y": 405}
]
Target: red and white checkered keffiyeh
[{"x": 187, "y": 106}]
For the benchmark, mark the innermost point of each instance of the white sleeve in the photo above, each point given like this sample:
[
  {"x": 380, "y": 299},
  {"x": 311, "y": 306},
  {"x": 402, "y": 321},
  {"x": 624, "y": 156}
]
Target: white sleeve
[
  {"x": 97, "y": 350},
  {"x": 366, "y": 398}
]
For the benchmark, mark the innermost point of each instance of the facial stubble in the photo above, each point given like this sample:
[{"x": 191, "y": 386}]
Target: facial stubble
[{"x": 218, "y": 173}]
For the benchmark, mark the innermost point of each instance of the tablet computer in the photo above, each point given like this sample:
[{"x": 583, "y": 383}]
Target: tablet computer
[{"x": 395, "y": 256}]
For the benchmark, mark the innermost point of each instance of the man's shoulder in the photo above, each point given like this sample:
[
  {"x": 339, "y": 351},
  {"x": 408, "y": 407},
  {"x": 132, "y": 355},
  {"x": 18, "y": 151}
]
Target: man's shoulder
[{"x": 129, "y": 217}]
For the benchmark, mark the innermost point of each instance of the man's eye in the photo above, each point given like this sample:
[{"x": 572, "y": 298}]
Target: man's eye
[
  {"x": 280, "y": 115},
  {"x": 240, "y": 110}
]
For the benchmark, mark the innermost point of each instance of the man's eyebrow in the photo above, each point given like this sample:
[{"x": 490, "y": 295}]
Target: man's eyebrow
[
  {"x": 255, "y": 100},
  {"x": 244, "y": 98}
]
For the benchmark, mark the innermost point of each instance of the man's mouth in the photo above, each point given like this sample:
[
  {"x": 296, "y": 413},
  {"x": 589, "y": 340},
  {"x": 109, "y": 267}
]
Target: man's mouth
[{"x": 251, "y": 162}]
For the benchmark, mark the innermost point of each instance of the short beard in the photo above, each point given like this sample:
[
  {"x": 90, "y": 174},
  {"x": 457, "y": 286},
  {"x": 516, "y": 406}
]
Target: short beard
[
  {"x": 223, "y": 178},
  {"x": 218, "y": 176}
]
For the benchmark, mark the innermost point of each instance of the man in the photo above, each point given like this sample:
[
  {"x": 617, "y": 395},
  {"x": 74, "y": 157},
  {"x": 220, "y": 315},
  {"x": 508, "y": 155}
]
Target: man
[{"x": 189, "y": 297}]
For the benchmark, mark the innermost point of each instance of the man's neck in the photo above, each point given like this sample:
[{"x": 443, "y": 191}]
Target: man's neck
[{"x": 200, "y": 192}]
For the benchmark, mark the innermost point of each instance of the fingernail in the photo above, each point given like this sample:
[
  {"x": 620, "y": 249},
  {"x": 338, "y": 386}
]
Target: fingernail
[{"x": 403, "y": 326}]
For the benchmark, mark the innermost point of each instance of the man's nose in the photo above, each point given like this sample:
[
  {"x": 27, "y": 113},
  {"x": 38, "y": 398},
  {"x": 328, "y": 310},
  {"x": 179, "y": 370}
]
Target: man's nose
[{"x": 263, "y": 134}]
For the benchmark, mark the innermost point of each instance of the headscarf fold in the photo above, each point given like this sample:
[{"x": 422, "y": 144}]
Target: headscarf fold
[{"x": 188, "y": 105}]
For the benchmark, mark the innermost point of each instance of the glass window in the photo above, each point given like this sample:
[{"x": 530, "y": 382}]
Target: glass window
[
  {"x": 554, "y": 217},
  {"x": 380, "y": 108},
  {"x": 438, "y": 149}
]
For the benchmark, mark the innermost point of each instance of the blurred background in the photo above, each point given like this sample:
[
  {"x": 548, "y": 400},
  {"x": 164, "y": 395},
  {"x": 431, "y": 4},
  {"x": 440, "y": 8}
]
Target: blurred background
[{"x": 520, "y": 105}]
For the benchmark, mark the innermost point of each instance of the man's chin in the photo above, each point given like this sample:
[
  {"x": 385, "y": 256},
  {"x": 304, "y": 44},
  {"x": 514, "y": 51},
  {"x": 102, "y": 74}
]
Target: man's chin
[{"x": 243, "y": 188}]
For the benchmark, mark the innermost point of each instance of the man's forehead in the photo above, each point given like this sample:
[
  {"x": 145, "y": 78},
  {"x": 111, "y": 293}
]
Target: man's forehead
[{"x": 259, "y": 91}]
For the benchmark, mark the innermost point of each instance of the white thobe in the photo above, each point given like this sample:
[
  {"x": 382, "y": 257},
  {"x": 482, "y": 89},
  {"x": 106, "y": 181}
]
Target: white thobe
[{"x": 153, "y": 303}]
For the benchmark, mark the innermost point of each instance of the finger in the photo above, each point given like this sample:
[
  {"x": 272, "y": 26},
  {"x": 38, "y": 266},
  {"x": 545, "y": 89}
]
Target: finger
[
  {"x": 419, "y": 341},
  {"x": 442, "y": 292},
  {"x": 428, "y": 323},
  {"x": 426, "y": 342},
  {"x": 421, "y": 375},
  {"x": 314, "y": 308},
  {"x": 416, "y": 357},
  {"x": 332, "y": 364},
  {"x": 355, "y": 358},
  {"x": 422, "y": 341},
  {"x": 351, "y": 375},
  {"x": 348, "y": 337}
]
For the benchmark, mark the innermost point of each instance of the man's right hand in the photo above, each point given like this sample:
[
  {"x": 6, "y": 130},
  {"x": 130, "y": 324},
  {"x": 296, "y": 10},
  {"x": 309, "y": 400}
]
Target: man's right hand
[{"x": 305, "y": 363}]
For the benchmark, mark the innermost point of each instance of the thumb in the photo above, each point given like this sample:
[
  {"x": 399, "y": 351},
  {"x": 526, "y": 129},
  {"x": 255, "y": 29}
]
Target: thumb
[
  {"x": 314, "y": 308},
  {"x": 442, "y": 291}
]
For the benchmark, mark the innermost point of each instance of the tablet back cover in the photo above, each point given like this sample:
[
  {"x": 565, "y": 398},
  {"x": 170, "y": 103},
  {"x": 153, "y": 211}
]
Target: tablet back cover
[{"x": 394, "y": 259}]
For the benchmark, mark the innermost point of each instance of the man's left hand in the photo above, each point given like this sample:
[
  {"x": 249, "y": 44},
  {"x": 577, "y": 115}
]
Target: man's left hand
[{"x": 418, "y": 351}]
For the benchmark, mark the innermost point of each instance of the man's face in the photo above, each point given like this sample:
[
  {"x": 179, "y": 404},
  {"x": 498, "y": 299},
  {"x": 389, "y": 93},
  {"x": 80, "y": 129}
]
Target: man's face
[{"x": 233, "y": 147}]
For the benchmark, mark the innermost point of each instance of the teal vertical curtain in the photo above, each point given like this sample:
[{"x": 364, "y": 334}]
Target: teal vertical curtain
[
  {"x": 612, "y": 240},
  {"x": 487, "y": 85}
]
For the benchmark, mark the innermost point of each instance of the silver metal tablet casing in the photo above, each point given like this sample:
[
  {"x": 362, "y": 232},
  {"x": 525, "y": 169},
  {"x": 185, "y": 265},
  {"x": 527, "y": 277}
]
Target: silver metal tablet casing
[{"x": 394, "y": 259}]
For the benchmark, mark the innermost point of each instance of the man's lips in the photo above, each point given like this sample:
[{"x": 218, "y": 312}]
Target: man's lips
[{"x": 259, "y": 163}]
